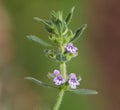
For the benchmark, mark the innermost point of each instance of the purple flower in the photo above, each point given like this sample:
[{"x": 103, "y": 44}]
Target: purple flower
[
  {"x": 56, "y": 72},
  {"x": 58, "y": 80},
  {"x": 73, "y": 81},
  {"x": 70, "y": 48}
]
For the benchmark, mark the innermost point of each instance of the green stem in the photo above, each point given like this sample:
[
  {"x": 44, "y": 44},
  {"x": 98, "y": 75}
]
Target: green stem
[
  {"x": 61, "y": 93},
  {"x": 63, "y": 69},
  {"x": 63, "y": 64},
  {"x": 63, "y": 72},
  {"x": 59, "y": 100}
]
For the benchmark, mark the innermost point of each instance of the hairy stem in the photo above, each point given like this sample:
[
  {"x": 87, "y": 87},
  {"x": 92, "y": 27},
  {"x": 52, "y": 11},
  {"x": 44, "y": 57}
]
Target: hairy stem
[
  {"x": 59, "y": 100},
  {"x": 63, "y": 69},
  {"x": 61, "y": 93},
  {"x": 63, "y": 64},
  {"x": 63, "y": 72}
]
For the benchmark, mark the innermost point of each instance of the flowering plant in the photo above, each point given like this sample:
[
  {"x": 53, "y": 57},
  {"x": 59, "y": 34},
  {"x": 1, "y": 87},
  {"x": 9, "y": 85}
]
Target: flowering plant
[{"x": 63, "y": 38}]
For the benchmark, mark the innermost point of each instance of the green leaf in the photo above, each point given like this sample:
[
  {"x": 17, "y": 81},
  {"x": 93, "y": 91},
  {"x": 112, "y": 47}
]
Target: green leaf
[
  {"x": 84, "y": 91},
  {"x": 79, "y": 32},
  {"x": 38, "y": 40},
  {"x": 56, "y": 16},
  {"x": 69, "y": 16},
  {"x": 47, "y": 24},
  {"x": 41, "y": 20},
  {"x": 38, "y": 82}
]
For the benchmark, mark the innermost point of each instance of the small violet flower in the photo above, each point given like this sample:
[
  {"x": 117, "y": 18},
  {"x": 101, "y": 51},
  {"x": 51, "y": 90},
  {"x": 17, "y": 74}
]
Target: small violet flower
[
  {"x": 70, "y": 48},
  {"x": 58, "y": 80},
  {"x": 73, "y": 81},
  {"x": 56, "y": 72}
]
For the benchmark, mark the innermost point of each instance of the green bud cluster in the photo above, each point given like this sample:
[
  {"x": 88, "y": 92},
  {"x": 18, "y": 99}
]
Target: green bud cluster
[{"x": 61, "y": 35}]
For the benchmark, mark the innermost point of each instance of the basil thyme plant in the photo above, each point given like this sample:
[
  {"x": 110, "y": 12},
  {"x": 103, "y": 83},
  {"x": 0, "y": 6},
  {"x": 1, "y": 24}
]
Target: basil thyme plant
[{"x": 63, "y": 38}]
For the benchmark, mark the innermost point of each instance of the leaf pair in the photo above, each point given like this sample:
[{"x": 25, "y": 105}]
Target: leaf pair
[{"x": 76, "y": 91}]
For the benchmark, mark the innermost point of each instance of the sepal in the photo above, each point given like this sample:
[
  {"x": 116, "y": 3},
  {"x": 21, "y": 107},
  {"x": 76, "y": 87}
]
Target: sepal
[
  {"x": 61, "y": 58},
  {"x": 50, "y": 54},
  {"x": 50, "y": 76}
]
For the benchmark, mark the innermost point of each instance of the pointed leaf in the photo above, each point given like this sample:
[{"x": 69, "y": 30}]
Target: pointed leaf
[
  {"x": 38, "y": 82},
  {"x": 41, "y": 20},
  {"x": 79, "y": 32},
  {"x": 38, "y": 40},
  {"x": 84, "y": 91},
  {"x": 69, "y": 16},
  {"x": 47, "y": 24}
]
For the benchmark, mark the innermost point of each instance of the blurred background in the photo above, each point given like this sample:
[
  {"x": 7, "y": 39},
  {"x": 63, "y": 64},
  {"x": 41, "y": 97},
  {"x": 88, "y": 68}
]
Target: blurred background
[{"x": 98, "y": 62}]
